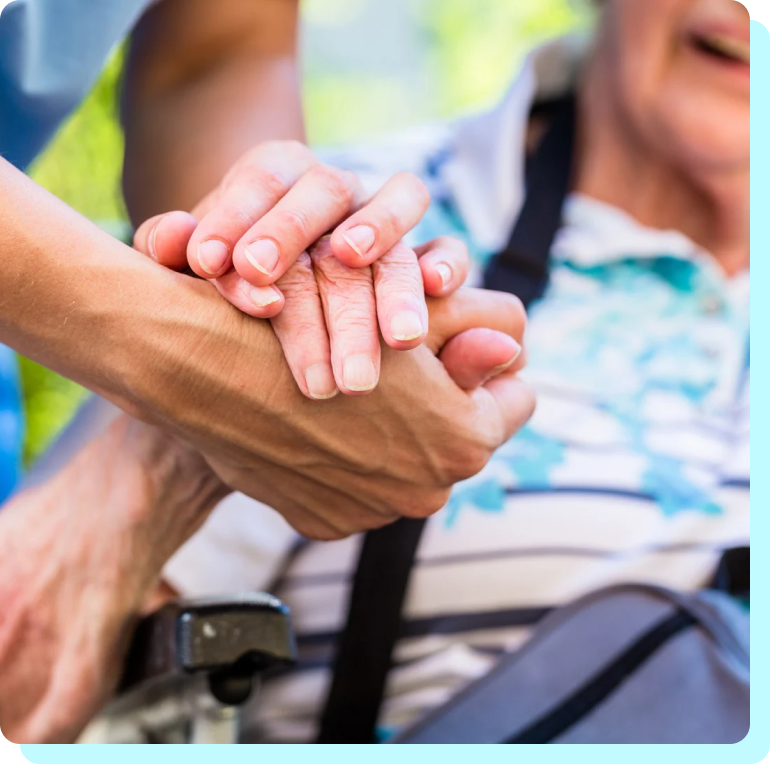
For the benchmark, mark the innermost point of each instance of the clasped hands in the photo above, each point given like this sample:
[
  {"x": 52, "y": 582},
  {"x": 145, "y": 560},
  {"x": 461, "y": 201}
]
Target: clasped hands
[
  {"x": 289, "y": 239},
  {"x": 256, "y": 238}
]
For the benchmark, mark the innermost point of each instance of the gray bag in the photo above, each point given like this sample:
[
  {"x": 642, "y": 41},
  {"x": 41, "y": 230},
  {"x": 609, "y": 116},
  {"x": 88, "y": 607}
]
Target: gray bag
[{"x": 626, "y": 664}]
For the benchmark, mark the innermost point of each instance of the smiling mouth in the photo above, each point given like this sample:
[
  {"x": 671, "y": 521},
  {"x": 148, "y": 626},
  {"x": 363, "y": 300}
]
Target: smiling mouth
[{"x": 724, "y": 47}]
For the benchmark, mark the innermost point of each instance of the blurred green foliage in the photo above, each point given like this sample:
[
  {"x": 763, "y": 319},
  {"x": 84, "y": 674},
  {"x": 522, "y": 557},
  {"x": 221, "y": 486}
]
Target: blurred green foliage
[
  {"x": 82, "y": 166},
  {"x": 469, "y": 52}
]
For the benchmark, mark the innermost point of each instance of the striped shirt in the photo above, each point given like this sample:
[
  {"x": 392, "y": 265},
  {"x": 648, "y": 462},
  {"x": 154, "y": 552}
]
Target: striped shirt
[{"x": 635, "y": 466}]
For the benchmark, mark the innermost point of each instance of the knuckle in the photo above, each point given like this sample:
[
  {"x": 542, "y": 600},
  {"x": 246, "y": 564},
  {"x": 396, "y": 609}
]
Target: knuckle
[
  {"x": 352, "y": 180},
  {"x": 511, "y": 311},
  {"x": 277, "y": 148},
  {"x": 416, "y": 187},
  {"x": 418, "y": 505},
  {"x": 322, "y": 255},
  {"x": 394, "y": 220},
  {"x": 354, "y": 323},
  {"x": 295, "y": 149},
  {"x": 474, "y": 460},
  {"x": 271, "y": 182},
  {"x": 335, "y": 274},
  {"x": 299, "y": 278},
  {"x": 294, "y": 220},
  {"x": 335, "y": 182},
  {"x": 401, "y": 256},
  {"x": 394, "y": 283},
  {"x": 354, "y": 292},
  {"x": 467, "y": 455},
  {"x": 242, "y": 200},
  {"x": 456, "y": 246}
]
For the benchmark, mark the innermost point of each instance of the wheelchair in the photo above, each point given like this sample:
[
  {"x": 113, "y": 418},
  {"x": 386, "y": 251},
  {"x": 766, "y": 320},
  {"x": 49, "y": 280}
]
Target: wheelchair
[{"x": 192, "y": 664}]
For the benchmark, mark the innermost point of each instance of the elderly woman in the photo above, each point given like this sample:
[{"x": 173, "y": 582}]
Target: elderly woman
[
  {"x": 635, "y": 466},
  {"x": 636, "y": 463}
]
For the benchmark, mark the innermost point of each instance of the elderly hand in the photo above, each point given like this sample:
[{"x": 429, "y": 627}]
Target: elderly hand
[
  {"x": 80, "y": 555},
  {"x": 280, "y": 196}
]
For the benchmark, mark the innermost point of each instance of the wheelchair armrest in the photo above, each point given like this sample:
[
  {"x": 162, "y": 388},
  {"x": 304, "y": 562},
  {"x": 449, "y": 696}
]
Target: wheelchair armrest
[{"x": 228, "y": 640}]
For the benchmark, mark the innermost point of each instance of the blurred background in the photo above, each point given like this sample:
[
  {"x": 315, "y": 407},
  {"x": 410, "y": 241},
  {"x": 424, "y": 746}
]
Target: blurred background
[{"x": 369, "y": 66}]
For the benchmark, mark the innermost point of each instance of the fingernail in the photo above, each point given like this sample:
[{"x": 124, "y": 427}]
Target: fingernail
[
  {"x": 319, "y": 379},
  {"x": 263, "y": 296},
  {"x": 263, "y": 254},
  {"x": 406, "y": 325},
  {"x": 212, "y": 255},
  {"x": 358, "y": 373},
  {"x": 360, "y": 239},
  {"x": 151, "y": 241},
  {"x": 516, "y": 354},
  {"x": 444, "y": 272}
]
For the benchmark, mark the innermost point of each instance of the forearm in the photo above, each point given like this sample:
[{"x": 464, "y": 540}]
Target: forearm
[
  {"x": 65, "y": 286},
  {"x": 79, "y": 557},
  {"x": 78, "y": 301},
  {"x": 204, "y": 83}
]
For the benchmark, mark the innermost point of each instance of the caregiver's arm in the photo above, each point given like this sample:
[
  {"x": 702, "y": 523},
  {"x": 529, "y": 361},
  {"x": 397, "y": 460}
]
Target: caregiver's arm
[
  {"x": 76, "y": 299},
  {"x": 205, "y": 82},
  {"x": 169, "y": 349}
]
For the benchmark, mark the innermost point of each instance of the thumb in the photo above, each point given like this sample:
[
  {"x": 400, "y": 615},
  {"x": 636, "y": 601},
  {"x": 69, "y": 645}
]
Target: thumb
[
  {"x": 476, "y": 355},
  {"x": 164, "y": 238},
  {"x": 473, "y": 309}
]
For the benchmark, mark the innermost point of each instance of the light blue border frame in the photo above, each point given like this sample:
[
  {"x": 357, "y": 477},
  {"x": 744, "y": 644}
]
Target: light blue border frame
[{"x": 750, "y": 750}]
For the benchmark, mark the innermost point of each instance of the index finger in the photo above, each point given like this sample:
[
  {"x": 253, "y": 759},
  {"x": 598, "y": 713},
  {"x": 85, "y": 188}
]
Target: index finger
[
  {"x": 381, "y": 223},
  {"x": 252, "y": 189}
]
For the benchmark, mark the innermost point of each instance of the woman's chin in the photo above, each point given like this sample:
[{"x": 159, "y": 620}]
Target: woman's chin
[{"x": 703, "y": 139}]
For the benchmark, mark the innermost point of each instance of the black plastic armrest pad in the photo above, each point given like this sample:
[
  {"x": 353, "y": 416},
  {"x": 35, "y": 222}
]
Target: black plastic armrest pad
[{"x": 243, "y": 634}]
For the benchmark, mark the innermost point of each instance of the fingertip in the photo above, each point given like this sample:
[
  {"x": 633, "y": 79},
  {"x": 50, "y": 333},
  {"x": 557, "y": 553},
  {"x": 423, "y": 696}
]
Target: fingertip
[
  {"x": 344, "y": 252},
  {"x": 437, "y": 283},
  {"x": 477, "y": 355},
  {"x": 359, "y": 375},
  {"x": 439, "y": 277},
  {"x": 249, "y": 265},
  {"x": 213, "y": 257},
  {"x": 407, "y": 329},
  {"x": 168, "y": 239},
  {"x": 265, "y": 301},
  {"x": 395, "y": 344},
  {"x": 320, "y": 384}
]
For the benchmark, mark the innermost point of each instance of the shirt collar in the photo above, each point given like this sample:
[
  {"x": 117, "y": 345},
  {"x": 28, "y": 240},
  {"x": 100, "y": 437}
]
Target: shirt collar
[{"x": 595, "y": 233}]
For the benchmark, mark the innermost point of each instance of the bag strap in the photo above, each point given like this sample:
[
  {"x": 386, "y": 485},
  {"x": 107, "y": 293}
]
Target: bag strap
[
  {"x": 733, "y": 573},
  {"x": 522, "y": 267},
  {"x": 387, "y": 555},
  {"x": 374, "y": 620}
]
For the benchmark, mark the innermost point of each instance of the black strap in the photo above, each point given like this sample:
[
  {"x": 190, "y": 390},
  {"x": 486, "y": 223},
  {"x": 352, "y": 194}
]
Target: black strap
[
  {"x": 733, "y": 572},
  {"x": 522, "y": 267},
  {"x": 585, "y": 699},
  {"x": 374, "y": 619}
]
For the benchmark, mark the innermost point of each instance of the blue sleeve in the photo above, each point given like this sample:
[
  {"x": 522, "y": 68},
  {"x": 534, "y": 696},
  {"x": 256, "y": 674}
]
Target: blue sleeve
[{"x": 11, "y": 423}]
